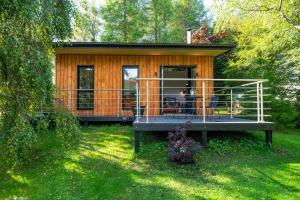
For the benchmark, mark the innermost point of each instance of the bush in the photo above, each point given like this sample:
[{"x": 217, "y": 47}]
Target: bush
[
  {"x": 283, "y": 113},
  {"x": 67, "y": 127},
  {"x": 20, "y": 134},
  {"x": 17, "y": 142},
  {"x": 236, "y": 145},
  {"x": 182, "y": 149},
  {"x": 298, "y": 109}
]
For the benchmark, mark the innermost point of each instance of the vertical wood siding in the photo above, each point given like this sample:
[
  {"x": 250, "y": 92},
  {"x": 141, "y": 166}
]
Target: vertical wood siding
[{"x": 108, "y": 74}]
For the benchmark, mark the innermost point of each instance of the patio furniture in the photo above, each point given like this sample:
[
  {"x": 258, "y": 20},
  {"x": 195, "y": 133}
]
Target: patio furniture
[
  {"x": 134, "y": 110},
  {"x": 213, "y": 105},
  {"x": 170, "y": 105},
  {"x": 191, "y": 105},
  {"x": 128, "y": 102}
]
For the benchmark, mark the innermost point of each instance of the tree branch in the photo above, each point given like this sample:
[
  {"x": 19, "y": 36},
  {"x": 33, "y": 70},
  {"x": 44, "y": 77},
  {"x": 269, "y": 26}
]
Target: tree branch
[
  {"x": 288, "y": 20},
  {"x": 279, "y": 9}
]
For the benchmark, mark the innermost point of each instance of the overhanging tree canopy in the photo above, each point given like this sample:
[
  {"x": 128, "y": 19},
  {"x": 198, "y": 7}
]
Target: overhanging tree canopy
[{"x": 28, "y": 29}]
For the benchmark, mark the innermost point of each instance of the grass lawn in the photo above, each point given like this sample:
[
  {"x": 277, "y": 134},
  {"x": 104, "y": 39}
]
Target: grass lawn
[{"x": 238, "y": 166}]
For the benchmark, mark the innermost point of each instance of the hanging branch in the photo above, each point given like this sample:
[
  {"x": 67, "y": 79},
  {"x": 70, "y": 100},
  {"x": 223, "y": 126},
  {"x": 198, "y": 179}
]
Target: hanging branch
[
  {"x": 274, "y": 8},
  {"x": 288, "y": 20}
]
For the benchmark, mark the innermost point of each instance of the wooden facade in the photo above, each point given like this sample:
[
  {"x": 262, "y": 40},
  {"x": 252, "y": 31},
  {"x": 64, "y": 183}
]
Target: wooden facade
[{"x": 108, "y": 75}]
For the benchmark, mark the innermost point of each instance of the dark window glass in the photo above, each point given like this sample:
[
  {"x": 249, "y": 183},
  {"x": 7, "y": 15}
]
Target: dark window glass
[
  {"x": 85, "y": 94},
  {"x": 130, "y": 74}
]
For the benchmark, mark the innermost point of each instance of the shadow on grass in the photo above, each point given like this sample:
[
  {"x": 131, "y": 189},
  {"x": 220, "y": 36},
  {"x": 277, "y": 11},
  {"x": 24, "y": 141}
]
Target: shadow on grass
[
  {"x": 105, "y": 167},
  {"x": 98, "y": 169},
  {"x": 240, "y": 166}
]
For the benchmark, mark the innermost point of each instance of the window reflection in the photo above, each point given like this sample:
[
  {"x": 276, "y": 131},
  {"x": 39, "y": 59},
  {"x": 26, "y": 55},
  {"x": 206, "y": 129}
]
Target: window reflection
[
  {"x": 85, "y": 94},
  {"x": 130, "y": 74}
]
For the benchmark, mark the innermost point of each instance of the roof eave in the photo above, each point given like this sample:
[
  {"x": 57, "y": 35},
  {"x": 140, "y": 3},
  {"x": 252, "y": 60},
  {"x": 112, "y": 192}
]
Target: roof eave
[{"x": 143, "y": 48}]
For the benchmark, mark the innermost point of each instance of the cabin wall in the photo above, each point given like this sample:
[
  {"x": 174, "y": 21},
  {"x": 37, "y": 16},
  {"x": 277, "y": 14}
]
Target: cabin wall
[{"x": 108, "y": 74}]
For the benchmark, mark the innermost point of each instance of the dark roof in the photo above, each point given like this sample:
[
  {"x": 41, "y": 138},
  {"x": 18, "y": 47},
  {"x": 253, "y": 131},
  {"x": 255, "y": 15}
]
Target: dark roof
[
  {"x": 142, "y": 45},
  {"x": 141, "y": 48}
]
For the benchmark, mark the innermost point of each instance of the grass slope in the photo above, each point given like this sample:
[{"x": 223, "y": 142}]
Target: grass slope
[{"x": 104, "y": 166}]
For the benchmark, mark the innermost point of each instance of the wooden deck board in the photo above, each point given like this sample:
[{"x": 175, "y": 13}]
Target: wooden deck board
[{"x": 163, "y": 123}]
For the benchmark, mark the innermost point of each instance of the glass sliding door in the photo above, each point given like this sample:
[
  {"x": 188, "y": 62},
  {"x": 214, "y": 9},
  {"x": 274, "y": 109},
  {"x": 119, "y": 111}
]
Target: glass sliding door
[{"x": 181, "y": 82}]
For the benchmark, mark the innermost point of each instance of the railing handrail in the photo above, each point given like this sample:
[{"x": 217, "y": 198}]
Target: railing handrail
[
  {"x": 203, "y": 79},
  {"x": 95, "y": 89},
  {"x": 239, "y": 95}
]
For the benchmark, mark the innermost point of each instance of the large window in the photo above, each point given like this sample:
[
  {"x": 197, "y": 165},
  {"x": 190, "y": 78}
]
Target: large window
[
  {"x": 85, "y": 86},
  {"x": 130, "y": 74}
]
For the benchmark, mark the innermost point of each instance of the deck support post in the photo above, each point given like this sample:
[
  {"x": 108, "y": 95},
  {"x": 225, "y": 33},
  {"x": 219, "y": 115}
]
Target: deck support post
[
  {"x": 136, "y": 141},
  {"x": 204, "y": 138},
  {"x": 268, "y": 137}
]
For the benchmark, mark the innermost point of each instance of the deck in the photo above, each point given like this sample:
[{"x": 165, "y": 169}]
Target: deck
[
  {"x": 216, "y": 123},
  {"x": 163, "y": 123}
]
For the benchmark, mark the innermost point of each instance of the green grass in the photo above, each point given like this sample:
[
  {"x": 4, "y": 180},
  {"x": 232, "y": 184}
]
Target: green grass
[{"x": 238, "y": 166}]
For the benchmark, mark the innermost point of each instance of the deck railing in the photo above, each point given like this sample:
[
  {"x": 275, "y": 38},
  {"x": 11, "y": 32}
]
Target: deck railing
[
  {"x": 98, "y": 102},
  {"x": 204, "y": 99}
]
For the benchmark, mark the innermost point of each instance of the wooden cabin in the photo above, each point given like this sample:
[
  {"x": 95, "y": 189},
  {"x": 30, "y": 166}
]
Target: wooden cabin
[
  {"x": 145, "y": 83},
  {"x": 98, "y": 81}
]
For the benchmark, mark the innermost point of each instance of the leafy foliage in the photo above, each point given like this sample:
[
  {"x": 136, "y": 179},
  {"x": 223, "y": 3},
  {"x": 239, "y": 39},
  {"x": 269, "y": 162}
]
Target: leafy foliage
[
  {"x": 67, "y": 127},
  {"x": 26, "y": 35},
  {"x": 187, "y": 14},
  {"x": 159, "y": 14},
  {"x": 181, "y": 148},
  {"x": 284, "y": 113},
  {"x": 138, "y": 20},
  {"x": 203, "y": 36},
  {"x": 225, "y": 146},
  {"x": 87, "y": 22},
  {"x": 298, "y": 108},
  {"x": 268, "y": 44},
  {"x": 17, "y": 142},
  {"x": 123, "y": 21}
]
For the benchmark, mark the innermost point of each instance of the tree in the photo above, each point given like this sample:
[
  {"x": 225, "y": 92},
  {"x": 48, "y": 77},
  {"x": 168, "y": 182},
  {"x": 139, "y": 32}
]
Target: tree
[
  {"x": 26, "y": 35},
  {"x": 124, "y": 20},
  {"x": 187, "y": 14},
  {"x": 150, "y": 20},
  {"x": 204, "y": 36},
  {"x": 160, "y": 13},
  {"x": 87, "y": 22},
  {"x": 268, "y": 44}
]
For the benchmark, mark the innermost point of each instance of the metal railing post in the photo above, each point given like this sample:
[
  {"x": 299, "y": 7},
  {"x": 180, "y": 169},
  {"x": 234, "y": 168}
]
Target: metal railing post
[
  {"x": 118, "y": 93},
  {"x": 257, "y": 102},
  {"x": 69, "y": 99},
  {"x": 203, "y": 101},
  {"x": 231, "y": 103},
  {"x": 137, "y": 102},
  {"x": 147, "y": 102},
  {"x": 261, "y": 102}
]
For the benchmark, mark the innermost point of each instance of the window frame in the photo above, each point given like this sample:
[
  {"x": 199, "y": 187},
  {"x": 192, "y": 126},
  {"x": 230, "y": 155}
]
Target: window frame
[
  {"x": 138, "y": 75},
  {"x": 78, "y": 86}
]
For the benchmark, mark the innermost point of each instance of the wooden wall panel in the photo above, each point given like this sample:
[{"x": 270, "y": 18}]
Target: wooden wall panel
[{"x": 108, "y": 75}]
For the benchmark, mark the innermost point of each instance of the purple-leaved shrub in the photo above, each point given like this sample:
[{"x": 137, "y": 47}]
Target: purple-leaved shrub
[{"x": 182, "y": 149}]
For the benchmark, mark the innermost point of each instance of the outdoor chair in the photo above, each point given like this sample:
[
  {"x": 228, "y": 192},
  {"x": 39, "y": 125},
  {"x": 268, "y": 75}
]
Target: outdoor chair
[
  {"x": 213, "y": 105},
  {"x": 190, "y": 105},
  {"x": 128, "y": 102},
  {"x": 170, "y": 105}
]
